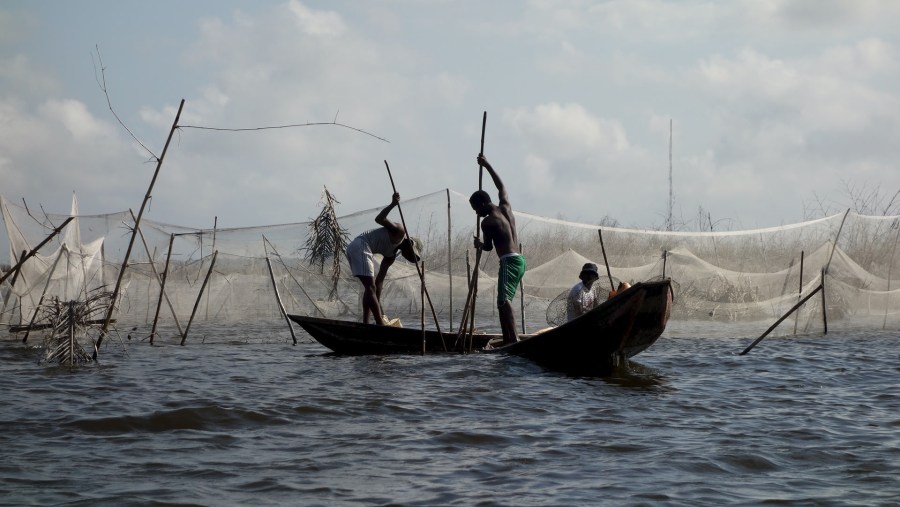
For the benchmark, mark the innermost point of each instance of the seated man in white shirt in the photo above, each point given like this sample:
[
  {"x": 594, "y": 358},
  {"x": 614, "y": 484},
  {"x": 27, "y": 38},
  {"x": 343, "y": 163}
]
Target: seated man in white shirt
[{"x": 581, "y": 298}]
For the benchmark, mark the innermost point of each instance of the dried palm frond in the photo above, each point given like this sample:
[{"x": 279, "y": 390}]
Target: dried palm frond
[
  {"x": 69, "y": 323},
  {"x": 327, "y": 241}
]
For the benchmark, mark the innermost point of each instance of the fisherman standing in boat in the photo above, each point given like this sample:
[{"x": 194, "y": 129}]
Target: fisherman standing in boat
[
  {"x": 385, "y": 240},
  {"x": 581, "y": 297},
  {"x": 499, "y": 228}
]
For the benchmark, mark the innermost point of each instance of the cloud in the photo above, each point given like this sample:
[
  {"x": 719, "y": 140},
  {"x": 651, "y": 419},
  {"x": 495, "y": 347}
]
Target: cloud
[
  {"x": 318, "y": 23},
  {"x": 19, "y": 74},
  {"x": 567, "y": 131},
  {"x": 580, "y": 96}
]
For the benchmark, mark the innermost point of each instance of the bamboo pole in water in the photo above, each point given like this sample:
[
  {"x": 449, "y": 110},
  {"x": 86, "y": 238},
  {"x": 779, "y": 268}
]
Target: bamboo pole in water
[
  {"x": 321, "y": 312},
  {"x": 71, "y": 354},
  {"x": 887, "y": 298},
  {"x": 162, "y": 291},
  {"x": 824, "y": 305},
  {"x": 15, "y": 269},
  {"x": 44, "y": 293},
  {"x": 665, "y": 260},
  {"x": 473, "y": 284},
  {"x": 606, "y": 262},
  {"x": 423, "y": 295},
  {"x": 212, "y": 263},
  {"x": 821, "y": 287},
  {"x": 158, "y": 278},
  {"x": 115, "y": 294},
  {"x": 522, "y": 293},
  {"x": 450, "y": 259},
  {"x": 215, "y": 227},
  {"x": 277, "y": 297},
  {"x": 12, "y": 284},
  {"x": 799, "y": 291}
]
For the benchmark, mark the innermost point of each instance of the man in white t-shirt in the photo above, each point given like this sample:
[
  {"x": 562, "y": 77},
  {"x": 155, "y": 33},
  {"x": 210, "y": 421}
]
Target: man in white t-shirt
[
  {"x": 385, "y": 240},
  {"x": 581, "y": 298}
]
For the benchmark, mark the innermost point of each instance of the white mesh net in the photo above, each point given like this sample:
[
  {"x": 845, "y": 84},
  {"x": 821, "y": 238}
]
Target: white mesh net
[{"x": 727, "y": 283}]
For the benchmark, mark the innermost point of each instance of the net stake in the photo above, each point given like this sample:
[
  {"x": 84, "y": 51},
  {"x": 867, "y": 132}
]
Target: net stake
[
  {"x": 115, "y": 294},
  {"x": 779, "y": 321},
  {"x": 212, "y": 263},
  {"x": 606, "y": 262},
  {"x": 15, "y": 269},
  {"x": 278, "y": 297}
]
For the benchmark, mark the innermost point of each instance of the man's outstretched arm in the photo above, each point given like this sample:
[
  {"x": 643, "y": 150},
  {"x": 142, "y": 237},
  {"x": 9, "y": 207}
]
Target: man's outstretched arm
[
  {"x": 501, "y": 189},
  {"x": 382, "y": 220}
]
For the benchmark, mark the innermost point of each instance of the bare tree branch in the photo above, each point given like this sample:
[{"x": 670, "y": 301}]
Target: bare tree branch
[{"x": 101, "y": 81}]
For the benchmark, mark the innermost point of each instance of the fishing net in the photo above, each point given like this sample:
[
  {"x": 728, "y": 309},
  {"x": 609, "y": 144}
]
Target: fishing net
[{"x": 727, "y": 283}]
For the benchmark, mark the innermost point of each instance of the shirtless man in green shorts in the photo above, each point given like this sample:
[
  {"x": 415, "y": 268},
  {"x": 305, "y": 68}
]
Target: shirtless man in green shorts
[{"x": 499, "y": 228}]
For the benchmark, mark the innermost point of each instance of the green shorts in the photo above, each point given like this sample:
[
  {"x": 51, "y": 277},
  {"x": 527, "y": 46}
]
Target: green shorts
[{"x": 512, "y": 269}]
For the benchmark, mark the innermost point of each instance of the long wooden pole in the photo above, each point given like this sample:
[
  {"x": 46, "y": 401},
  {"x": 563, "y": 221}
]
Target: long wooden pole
[
  {"x": 288, "y": 271},
  {"x": 137, "y": 223},
  {"x": 15, "y": 277},
  {"x": 419, "y": 270},
  {"x": 478, "y": 232},
  {"x": 824, "y": 305},
  {"x": 278, "y": 297},
  {"x": 215, "y": 227},
  {"x": 605, "y": 262},
  {"x": 473, "y": 285},
  {"x": 162, "y": 291},
  {"x": 450, "y": 259},
  {"x": 799, "y": 291},
  {"x": 465, "y": 314},
  {"x": 422, "y": 316},
  {"x": 890, "y": 268},
  {"x": 34, "y": 250},
  {"x": 158, "y": 277},
  {"x": 44, "y": 293},
  {"x": 212, "y": 263},
  {"x": 779, "y": 321},
  {"x": 522, "y": 293}
]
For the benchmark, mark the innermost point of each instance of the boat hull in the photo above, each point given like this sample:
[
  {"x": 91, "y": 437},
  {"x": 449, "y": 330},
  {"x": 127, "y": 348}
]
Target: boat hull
[{"x": 621, "y": 327}]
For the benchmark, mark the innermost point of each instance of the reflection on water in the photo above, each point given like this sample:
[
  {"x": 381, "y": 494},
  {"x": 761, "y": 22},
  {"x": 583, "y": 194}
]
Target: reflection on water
[{"x": 240, "y": 416}]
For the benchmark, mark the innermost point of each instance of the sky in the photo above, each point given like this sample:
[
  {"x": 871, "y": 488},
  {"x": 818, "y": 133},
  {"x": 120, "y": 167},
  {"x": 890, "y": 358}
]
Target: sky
[{"x": 764, "y": 112}]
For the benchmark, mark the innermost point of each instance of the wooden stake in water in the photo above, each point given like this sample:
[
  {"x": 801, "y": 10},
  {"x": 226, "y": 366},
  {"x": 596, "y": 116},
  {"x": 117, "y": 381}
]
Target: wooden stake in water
[
  {"x": 115, "y": 295},
  {"x": 37, "y": 308},
  {"x": 450, "y": 260},
  {"x": 158, "y": 279},
  {"x": 522, "y": 293},
  {"x": 824, "y": 305},
  {"x": 472, "y": 296},
  {"x": 162, "y": 292},
  {"x": 779, "y": 321},
  {"x": 15, "y": 269},
  {"x": 606, "y": 262},
  {"x": 15, "y": 277},
  {"x": 799, "y": 291},
  {"x": 277, "y": 297},
  {"x": 212, "y": 263}
]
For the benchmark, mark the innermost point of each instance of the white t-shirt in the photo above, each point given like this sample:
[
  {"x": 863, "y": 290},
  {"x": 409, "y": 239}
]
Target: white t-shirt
[
  {"x": 379, "y": 241},
  {"x": 581, "y": 299}
]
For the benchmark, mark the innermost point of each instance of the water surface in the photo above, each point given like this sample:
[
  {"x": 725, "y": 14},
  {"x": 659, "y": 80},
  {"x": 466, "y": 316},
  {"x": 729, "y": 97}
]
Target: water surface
[{"x": 239, "y": 416}]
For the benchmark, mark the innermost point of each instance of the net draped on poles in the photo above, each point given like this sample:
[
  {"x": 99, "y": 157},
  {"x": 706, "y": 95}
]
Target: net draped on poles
[{"x": 725, "y": 283}]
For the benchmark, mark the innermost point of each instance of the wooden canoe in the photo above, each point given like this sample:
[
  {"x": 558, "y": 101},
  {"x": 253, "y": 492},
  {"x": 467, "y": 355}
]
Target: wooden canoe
[{"x": 621, "y": 327}]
